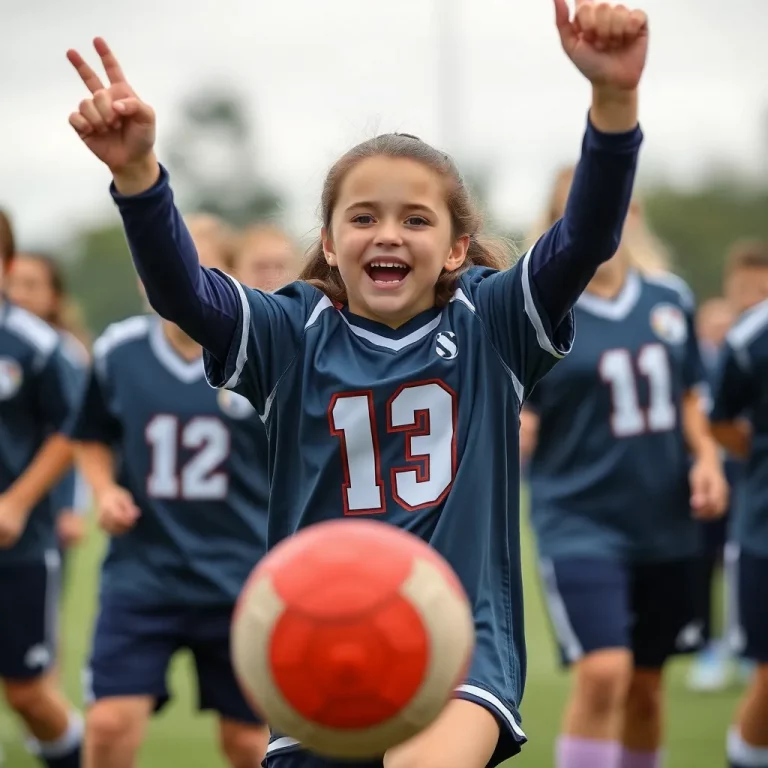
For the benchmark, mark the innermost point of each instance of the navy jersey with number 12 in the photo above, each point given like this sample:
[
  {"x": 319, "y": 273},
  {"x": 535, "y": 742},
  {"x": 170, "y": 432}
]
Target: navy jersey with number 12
[
  {"x": 609, "y": 476},
  {"x": 194, "y": 461}
]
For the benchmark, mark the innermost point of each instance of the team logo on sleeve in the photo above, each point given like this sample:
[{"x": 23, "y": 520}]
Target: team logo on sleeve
[
  {"x": 669, "y": 324},
  {"x": 445, "y": 345},
  {"x": 10, "y": 377},
  {"x": 233, "y": 405}
]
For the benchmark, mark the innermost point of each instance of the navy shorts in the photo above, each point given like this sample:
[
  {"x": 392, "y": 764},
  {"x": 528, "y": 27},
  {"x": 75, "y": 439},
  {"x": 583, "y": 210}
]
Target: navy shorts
[
  {"x": 747, "y": 620},
  {"x": 133, "y": 646},
  {"x": 29, "y": 613},
  {"x": 649, "y": 608}
]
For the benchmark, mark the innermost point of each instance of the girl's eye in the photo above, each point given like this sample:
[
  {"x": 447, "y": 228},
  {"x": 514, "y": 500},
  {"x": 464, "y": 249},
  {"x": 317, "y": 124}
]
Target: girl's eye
[
  {"x": 416, "y": 221},
  {"x": 363, "y": 218}
]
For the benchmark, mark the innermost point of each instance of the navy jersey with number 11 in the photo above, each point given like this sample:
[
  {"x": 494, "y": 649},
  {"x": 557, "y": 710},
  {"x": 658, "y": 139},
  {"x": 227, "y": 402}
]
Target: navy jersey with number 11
[
  {"x": 418, "y": 425},
  {"x": 609, "y": 476}
]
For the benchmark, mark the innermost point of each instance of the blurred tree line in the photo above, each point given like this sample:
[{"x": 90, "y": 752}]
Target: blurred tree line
[{"x": 213, "y": 162}]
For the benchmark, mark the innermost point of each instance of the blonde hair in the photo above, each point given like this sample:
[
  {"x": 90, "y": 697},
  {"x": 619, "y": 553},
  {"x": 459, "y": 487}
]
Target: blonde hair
[{"x": 644, "y": 250}]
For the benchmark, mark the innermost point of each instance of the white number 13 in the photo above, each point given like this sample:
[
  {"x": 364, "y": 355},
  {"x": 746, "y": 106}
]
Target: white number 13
[{"x": 426, "y": 413}]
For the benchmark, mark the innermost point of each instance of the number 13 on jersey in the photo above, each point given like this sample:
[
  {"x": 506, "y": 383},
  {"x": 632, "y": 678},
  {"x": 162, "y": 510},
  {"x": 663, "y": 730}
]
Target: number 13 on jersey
[{"x": 426, "y": 414}]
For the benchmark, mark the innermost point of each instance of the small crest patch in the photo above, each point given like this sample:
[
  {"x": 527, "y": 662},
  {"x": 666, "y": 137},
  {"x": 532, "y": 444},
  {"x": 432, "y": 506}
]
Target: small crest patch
[
  {"x": 11, "y": 377},
  {"x": 233, "y": 405},
  {"x": 669, "y": 324},
  {"x": 446, "y": 346}
]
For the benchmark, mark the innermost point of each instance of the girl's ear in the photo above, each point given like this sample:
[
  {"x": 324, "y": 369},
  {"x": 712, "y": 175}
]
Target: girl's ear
[
  {"x": 328, "y": 249},
  {"x": 458, "y": 254}
]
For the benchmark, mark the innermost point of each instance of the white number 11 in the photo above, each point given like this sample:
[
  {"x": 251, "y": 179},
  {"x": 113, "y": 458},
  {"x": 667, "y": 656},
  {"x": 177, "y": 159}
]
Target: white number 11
[{"x": 617, "y": 369}]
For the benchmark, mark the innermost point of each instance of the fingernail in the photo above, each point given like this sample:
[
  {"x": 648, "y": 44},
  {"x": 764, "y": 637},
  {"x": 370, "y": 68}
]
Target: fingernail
[{"x": 119, "y": 106}]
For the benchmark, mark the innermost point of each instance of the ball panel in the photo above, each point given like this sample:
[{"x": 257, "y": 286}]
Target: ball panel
[
  {"x": 434, "y": 600},
  {"x": 350, "y": 674}
]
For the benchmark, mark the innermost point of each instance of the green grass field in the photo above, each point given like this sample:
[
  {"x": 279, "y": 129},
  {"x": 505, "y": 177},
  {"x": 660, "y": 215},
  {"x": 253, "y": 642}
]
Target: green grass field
[{"x": 181, "y": 737}]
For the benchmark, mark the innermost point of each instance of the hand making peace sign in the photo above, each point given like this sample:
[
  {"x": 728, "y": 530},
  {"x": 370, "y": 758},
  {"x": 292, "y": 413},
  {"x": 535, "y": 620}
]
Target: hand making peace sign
[{"x": 115, "y": 124}]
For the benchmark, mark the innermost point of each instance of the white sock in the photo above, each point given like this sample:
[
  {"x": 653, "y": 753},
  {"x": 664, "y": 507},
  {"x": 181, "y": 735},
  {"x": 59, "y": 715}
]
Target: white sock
[{"x": 745, "y": 754}]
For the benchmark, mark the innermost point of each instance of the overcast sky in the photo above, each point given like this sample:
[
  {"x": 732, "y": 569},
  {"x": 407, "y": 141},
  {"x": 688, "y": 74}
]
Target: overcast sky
[{"x": 321, "y": 75}]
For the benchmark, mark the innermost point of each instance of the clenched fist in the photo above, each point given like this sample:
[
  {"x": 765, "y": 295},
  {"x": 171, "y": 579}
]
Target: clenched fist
[{"x": 608, "y": 43}]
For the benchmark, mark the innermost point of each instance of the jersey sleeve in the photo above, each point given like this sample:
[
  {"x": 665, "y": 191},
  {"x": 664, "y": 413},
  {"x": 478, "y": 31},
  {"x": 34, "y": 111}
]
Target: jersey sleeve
[
  {"x": 519, "y": 328},
  {"x": 694, "y": 372},
  {"x": 735, "y": 387},
  {"x": 56, "y": 391},
  {"x": 92, "y": 420},
  {"x": 270, "y": 328}
]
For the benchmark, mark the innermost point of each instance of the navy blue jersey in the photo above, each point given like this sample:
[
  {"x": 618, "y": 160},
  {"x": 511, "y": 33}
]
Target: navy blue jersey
[
  {"x": 741, "y": 390},
  {"x": 417, "y": 425},
  {"x": 37, "y": 393},
  {"x": 194, "y": 460},
  {"x": 609, "y": 475},
  {"x": 72, "y": 494}
]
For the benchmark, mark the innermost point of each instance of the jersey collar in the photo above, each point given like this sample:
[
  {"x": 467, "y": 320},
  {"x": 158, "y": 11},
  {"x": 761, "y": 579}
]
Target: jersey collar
[
  {"x": 393, "y": 338},
  {"x": 619, "y": 306},
  {"x": 187, "y": 371}
]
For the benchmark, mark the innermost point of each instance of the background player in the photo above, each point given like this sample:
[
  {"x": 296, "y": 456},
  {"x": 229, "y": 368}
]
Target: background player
[
  {"x": 186, "y": 510},
  {"x": 745, "y": 284},
  {"x": 740, "y": 421},
  {"x": 711, "y": 668},
  {"x": 36, "y": 283},
  {"x": 266, "y": 258},
  {"x": 36, "y": 396},
  {"x": 611, "y": 502},
  {"x": 420, "y": 328}
]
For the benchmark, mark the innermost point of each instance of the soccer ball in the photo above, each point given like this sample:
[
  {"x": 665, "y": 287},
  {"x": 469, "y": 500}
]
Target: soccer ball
[{"x": 351, "y": 636}]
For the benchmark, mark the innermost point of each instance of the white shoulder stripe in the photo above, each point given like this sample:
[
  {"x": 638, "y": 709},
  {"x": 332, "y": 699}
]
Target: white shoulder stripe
[
  {"x": 320, "y": 307},
  {"x": 459, "y": 295},
  {"x": 749, "y": 326},
  {"x": 120, "y": 333},
  {"x": 33, "y": 330},
  {"x": 533, "y": 314},
  {"x": 242, "y": 350},
  {"x": 675, "y": 283}
]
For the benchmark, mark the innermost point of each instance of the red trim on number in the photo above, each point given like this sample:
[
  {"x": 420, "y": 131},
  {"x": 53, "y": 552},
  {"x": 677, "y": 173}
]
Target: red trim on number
[
  {"x": 347, "y": 484},
  {"x": 421, "y": 427}
]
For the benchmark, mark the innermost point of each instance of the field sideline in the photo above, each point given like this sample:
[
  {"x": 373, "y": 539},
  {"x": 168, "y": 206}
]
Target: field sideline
[{"x": 181, "y": 737}]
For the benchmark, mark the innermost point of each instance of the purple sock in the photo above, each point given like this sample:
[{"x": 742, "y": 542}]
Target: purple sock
[
  {"x": 573, "y": 752},
  {"x": 632, "y": 759}
]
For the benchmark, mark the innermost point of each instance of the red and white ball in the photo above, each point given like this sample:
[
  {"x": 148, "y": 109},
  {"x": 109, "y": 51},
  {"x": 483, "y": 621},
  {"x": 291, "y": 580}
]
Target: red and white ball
[{"x": 351, "y": 636}]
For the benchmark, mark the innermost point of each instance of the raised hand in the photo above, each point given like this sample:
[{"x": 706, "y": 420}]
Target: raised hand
[
  {"x": 114, "y": 123},
  {"x": 608, "y": 43}
]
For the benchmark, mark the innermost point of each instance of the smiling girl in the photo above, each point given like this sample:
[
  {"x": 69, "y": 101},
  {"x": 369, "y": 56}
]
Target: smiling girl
[{"x": 400, "y": 361}]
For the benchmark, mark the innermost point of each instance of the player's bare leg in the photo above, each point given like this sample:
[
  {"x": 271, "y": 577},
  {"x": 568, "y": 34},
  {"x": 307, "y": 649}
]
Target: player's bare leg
[
  {"x": 243, "y": 744},
  {"x": 114, "y": 731},
  {"x": 595, "y": 711},
  {"x": 748, "y": 739},
  {"x": 643, "y": 723},
  {"x": 464, "y": 736},
  {"x": 49, "y": 718}
]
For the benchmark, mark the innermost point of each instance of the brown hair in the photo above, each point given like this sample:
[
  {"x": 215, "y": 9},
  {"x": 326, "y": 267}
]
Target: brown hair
[
  {"x": 746, "y": 254},
  {"x": 7, "y": 241},
  {"x": 645, "y": 252},
  {"x": 466, "y": 218},
  {"x": 67, "y": 315}
]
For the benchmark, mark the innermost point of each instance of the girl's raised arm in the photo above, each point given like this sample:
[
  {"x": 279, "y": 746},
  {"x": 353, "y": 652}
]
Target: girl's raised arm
[{"x": 119, "y": 128}]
